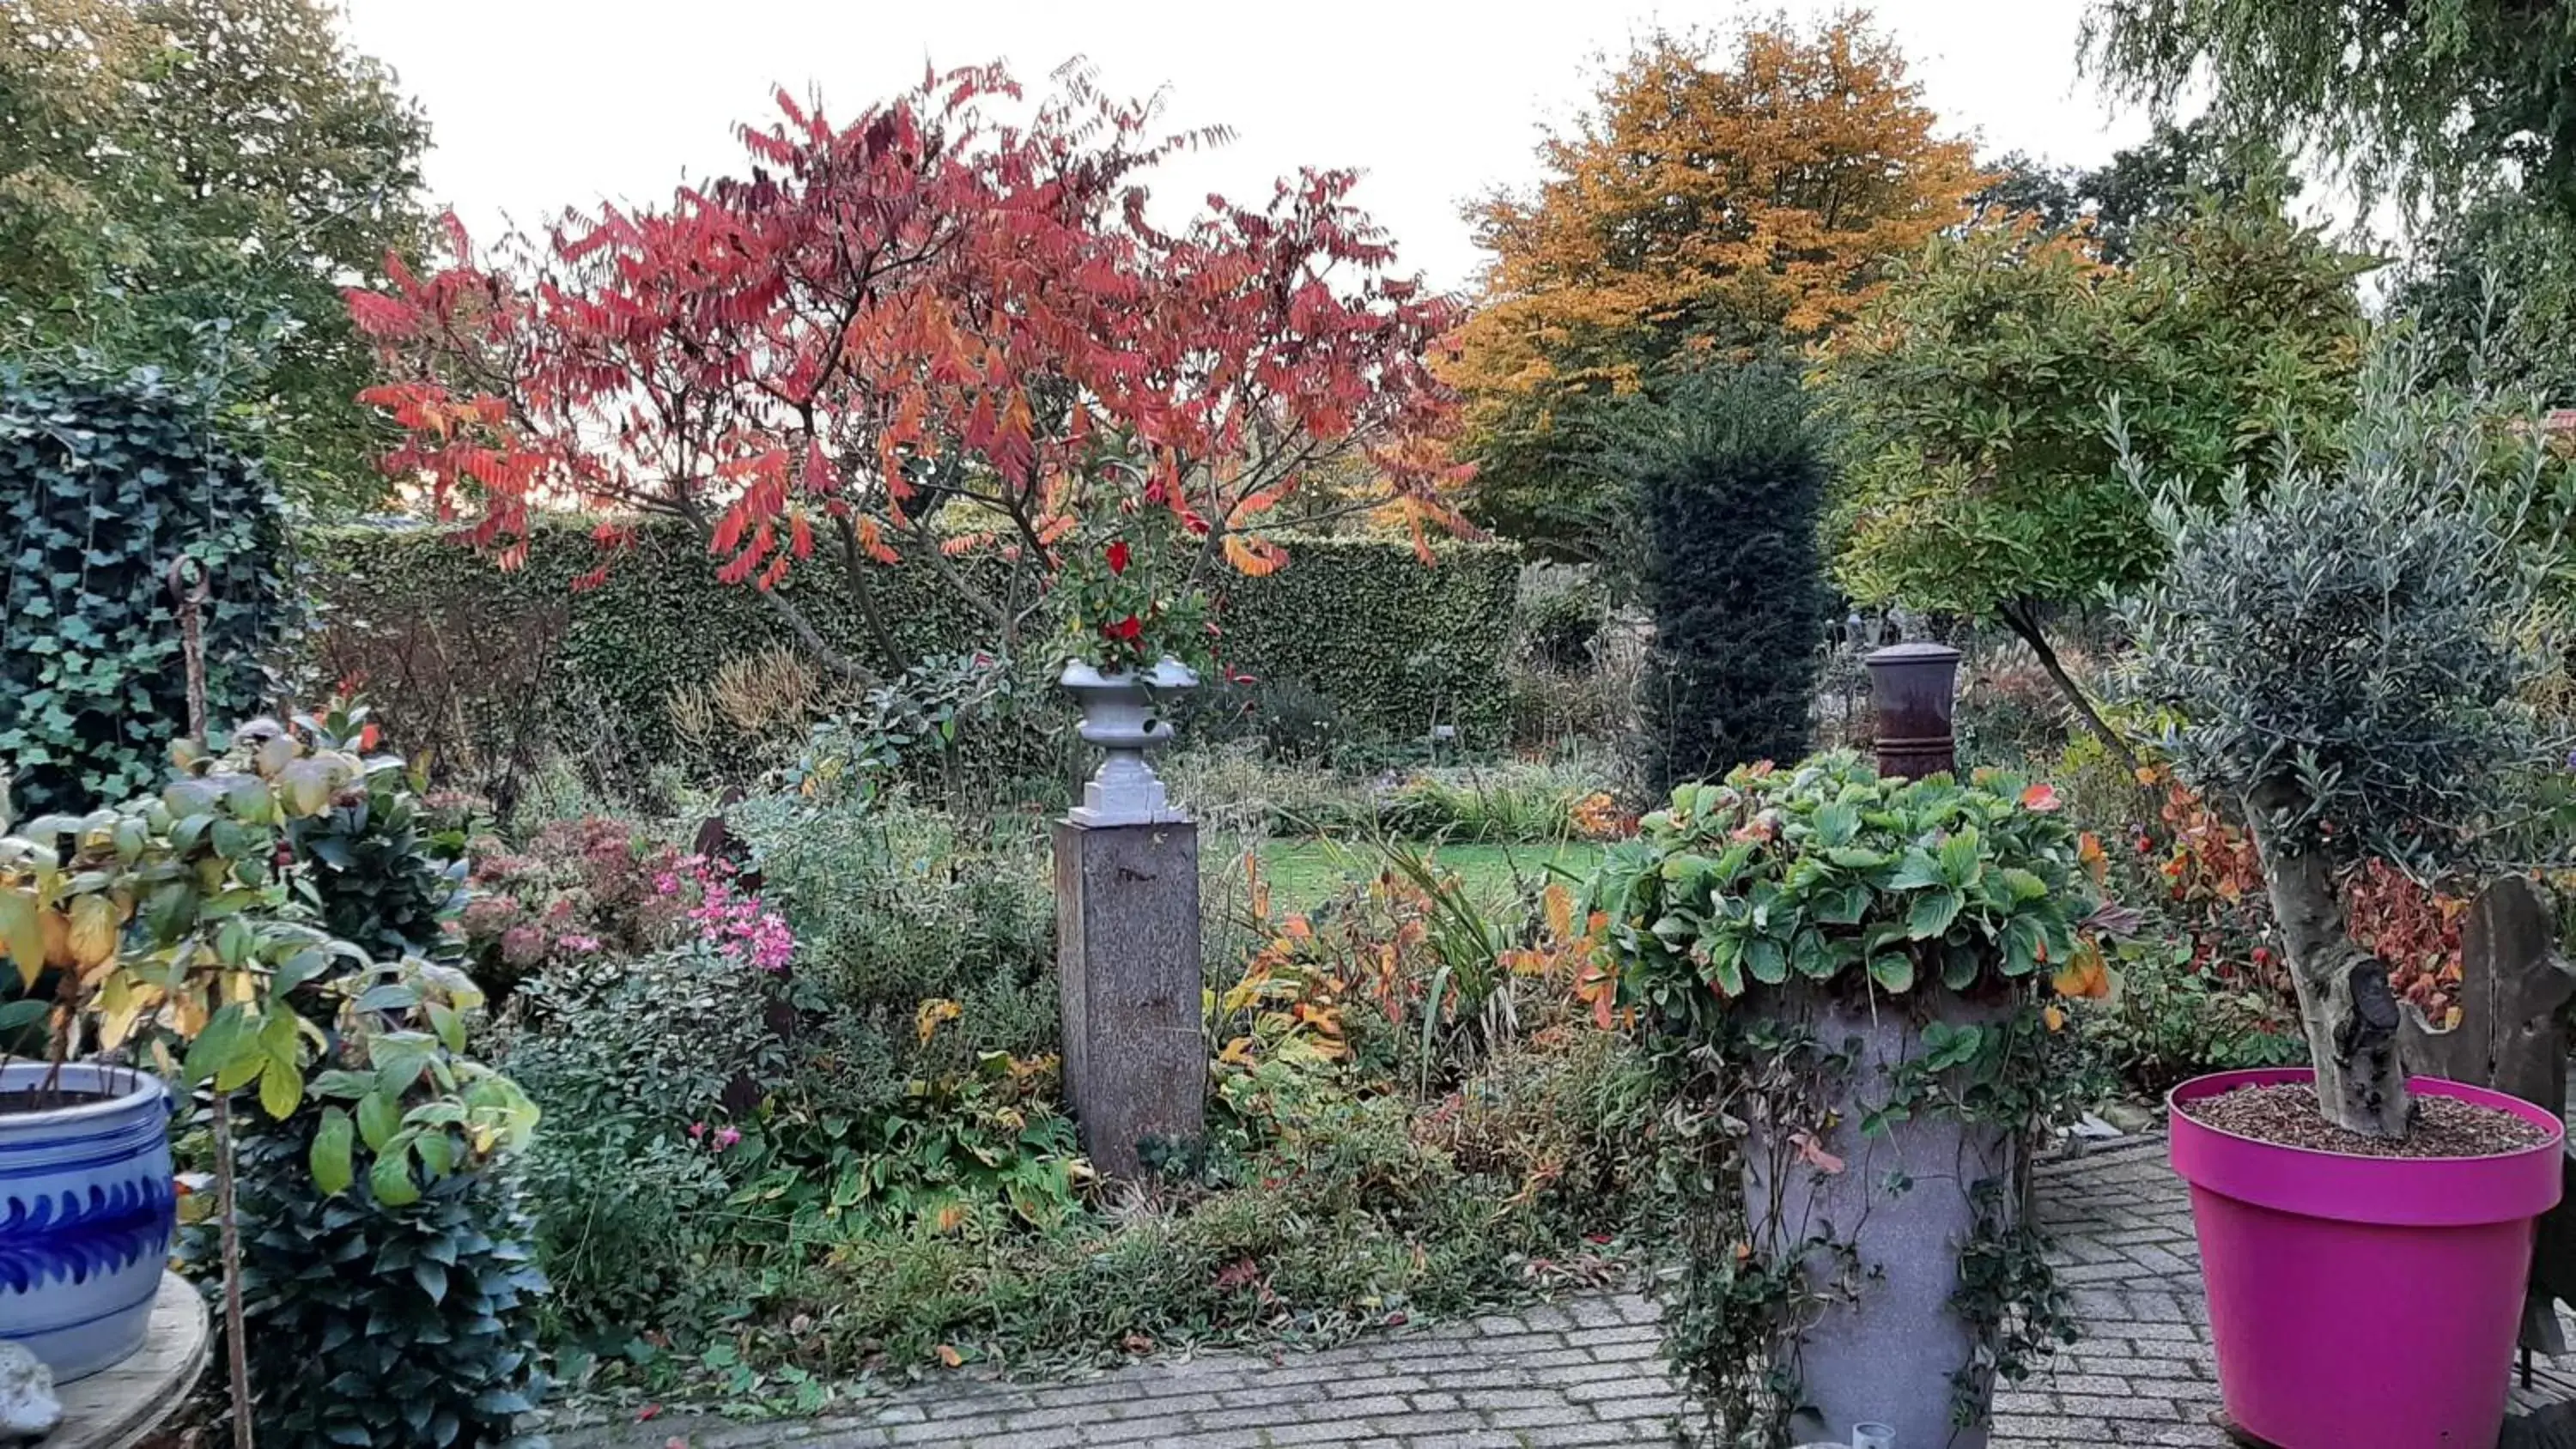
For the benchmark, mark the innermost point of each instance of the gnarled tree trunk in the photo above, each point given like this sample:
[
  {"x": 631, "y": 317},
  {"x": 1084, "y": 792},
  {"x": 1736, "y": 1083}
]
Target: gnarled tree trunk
[{"x": 2345, "y": 1002}]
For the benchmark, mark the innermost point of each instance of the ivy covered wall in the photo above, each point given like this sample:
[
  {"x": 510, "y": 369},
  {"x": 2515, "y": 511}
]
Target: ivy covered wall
[{"x": 106, "y": 479}]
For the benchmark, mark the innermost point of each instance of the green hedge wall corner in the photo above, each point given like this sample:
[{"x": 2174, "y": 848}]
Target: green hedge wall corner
[
  {"x": 464, "y": 655},
  {"x": 105, "y": 480}
]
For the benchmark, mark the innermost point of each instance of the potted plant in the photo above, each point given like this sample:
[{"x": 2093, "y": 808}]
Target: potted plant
[
  {"x": 1851, "y": 980},
  {"x": 2345, "y": 652},
  {"x": 1136, "y": 637},
  {"x": 167, "y": 940}
]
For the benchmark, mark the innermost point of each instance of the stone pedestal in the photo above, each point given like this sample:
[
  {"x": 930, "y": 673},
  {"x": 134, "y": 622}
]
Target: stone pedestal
[{"x": 1127, "y": 954}]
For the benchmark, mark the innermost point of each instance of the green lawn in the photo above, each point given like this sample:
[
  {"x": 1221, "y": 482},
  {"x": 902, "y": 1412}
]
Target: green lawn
[{"x": 1305, "y": 872}]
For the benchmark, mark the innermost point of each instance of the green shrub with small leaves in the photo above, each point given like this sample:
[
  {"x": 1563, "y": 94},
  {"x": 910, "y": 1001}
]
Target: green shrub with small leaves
[
  {"x": 374, "y": 1326},
  {"x": 387, "y": 872},
  {"x": 893, "y": 905},
  {"x": 625, "y": 1056},
  {"x": 2175, "y": 1019},
  {"x": 1562, "y": 609},
  {"x": 105, "y": 481}
]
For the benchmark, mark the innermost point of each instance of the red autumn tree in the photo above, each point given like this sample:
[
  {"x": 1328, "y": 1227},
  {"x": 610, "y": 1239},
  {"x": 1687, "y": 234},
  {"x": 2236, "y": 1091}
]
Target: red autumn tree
[{"x": 927, "y": 337}]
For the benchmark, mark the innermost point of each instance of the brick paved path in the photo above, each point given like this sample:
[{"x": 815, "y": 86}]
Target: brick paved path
[{"x": 1581, "y": 1372}]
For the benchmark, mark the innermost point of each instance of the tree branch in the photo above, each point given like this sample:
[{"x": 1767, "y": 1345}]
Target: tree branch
[
  {"x": 2024, "y": 622},
  {"x": 2345, "y": 1003}
]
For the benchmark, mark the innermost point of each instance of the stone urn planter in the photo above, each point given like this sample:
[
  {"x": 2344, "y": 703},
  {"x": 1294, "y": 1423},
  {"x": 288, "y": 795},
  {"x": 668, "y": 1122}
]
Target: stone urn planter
[
  {"x": 87, "y": 1208},
  {"x": 1125, "y": 713},
  {"x": 2417, "y": 1264},
  {"x": 1884, "y": 1349},
  {"x": 1845, "y": 976}
]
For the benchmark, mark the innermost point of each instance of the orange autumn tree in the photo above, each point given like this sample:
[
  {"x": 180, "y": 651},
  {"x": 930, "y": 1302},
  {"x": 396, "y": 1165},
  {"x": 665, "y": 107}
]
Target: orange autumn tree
[
  {"x": 1707, "y": 206},
  {"x": 943, "y": 335}
]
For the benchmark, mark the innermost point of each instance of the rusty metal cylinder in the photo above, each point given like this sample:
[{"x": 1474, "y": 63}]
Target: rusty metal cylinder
[{"x": 1912, "y": 688}]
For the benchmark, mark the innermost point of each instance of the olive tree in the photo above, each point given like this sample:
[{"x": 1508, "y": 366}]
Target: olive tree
[{"x": 2347, "y": 649}]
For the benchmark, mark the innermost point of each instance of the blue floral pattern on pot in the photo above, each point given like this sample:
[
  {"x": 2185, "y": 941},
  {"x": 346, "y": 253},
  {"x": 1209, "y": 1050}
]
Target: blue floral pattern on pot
[{"x": 87, "y": 1208}]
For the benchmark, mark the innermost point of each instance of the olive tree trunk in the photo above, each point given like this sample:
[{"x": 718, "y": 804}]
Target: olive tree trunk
[{"x": 2345, "y": 1004}]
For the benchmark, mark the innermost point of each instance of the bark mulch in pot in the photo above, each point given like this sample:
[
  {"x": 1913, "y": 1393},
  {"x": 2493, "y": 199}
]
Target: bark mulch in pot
[{"x": 2285, "y": 1115}]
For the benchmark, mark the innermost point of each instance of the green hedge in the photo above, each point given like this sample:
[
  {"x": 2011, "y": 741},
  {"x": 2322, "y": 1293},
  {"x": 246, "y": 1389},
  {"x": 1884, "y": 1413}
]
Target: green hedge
[{"x": 463, "y": 651}]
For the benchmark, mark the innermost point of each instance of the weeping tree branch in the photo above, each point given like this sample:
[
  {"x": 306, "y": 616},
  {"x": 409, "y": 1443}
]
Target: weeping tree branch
[{"x": 2023, "y": 619}]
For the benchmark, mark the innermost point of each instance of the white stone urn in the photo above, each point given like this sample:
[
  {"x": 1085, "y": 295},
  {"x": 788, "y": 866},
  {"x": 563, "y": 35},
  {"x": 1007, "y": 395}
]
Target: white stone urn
[{"x": 1123, "y": 713}]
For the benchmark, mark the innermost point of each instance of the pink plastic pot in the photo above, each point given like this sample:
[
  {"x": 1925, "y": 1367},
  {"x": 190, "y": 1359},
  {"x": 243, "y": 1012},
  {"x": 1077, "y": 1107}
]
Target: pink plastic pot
[{"x": 2361, "y": 1302}]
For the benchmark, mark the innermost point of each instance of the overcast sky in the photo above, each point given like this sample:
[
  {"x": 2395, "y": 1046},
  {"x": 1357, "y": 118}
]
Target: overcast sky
[{"x": 539, "y": 104}]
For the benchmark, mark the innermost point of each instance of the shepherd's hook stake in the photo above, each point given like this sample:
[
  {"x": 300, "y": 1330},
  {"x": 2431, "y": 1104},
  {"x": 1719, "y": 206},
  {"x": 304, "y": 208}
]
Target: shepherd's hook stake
[{"x": 189, "y": 589}]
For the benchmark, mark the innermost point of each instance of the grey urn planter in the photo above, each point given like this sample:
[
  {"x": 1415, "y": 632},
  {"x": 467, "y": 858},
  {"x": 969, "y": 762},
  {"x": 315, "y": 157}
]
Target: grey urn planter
[
  {"x": 1121, "y": 714},
  {"x": 1882, "y": 1344}
]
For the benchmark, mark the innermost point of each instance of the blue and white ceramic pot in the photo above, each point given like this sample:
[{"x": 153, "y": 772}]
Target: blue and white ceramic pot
[{"x": 87, "y": 1207}]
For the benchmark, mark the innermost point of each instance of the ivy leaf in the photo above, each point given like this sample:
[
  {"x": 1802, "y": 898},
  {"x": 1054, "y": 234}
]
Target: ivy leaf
[{"x": 1946, "y": 1045}]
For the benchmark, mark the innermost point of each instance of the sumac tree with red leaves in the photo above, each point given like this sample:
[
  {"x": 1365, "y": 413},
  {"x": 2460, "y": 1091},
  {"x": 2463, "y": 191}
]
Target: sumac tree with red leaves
[{"x": 929, "y": 337}]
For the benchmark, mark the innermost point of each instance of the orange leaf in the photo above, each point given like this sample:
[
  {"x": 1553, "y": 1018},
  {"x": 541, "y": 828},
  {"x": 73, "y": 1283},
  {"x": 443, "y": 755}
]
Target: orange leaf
[
  {"x": 2087, "y": 976},
  {"x": 1253, "y": 557}
]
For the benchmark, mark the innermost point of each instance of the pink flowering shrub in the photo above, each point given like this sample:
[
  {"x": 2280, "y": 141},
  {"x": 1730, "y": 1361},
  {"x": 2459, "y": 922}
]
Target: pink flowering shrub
[
  {"x": 595, "y": 888},
  {"x": 732, "y": 920}
]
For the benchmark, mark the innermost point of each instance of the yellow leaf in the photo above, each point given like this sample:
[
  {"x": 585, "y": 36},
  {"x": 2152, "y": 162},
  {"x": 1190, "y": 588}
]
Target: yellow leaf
[
  {"x": 932, "y": 1012},
  {"x": 117, "y": 1006},
  {"x": 189, "y": 1014}
]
